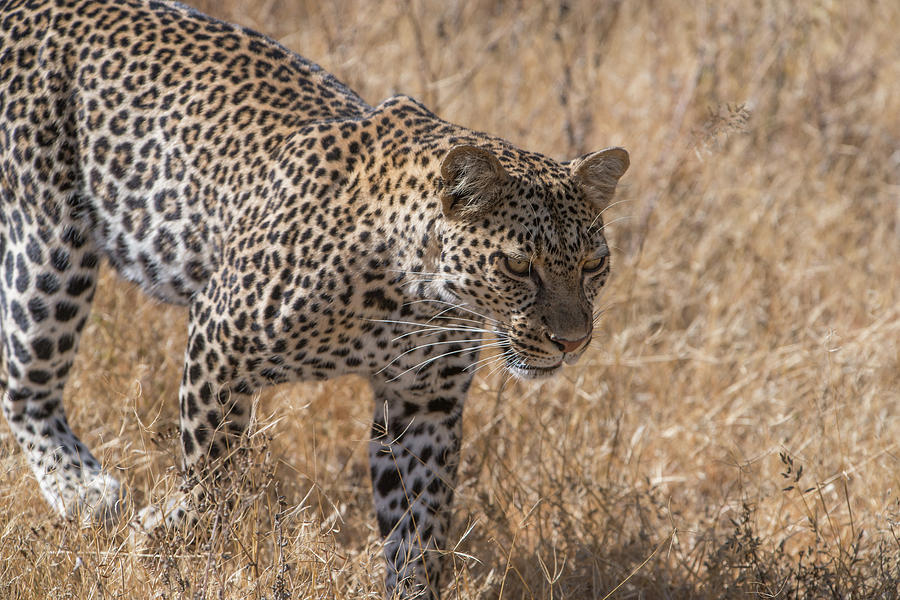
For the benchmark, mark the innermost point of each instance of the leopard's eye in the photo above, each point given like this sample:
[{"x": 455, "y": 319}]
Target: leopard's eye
[
  {"x": 594, "y": 265},
  {"x": 517, "y": 266}
]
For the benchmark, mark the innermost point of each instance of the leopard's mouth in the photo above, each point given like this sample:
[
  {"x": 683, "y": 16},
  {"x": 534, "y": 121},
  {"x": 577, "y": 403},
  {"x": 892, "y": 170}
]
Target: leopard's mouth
[
  {"x": 526, "y": 371},
  {"x": 524, "y": 367}
]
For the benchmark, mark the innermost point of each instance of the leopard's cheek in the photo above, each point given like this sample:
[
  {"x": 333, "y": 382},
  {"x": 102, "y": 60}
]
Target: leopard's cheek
[
  {"x": 504, "y": 299},
  {"x": 593, "y": 288}
]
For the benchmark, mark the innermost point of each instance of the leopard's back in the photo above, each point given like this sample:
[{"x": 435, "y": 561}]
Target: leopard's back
[{"x": 138, "y": 124}]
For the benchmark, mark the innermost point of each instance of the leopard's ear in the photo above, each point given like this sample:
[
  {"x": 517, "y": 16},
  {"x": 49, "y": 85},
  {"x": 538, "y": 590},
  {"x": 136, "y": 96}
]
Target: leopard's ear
[
  {"x": 598, "y": 173},
  {"x": 473, "y": 179}
]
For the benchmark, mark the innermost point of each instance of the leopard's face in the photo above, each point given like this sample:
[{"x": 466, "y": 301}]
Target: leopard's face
[{"x": 527, "y": 251}]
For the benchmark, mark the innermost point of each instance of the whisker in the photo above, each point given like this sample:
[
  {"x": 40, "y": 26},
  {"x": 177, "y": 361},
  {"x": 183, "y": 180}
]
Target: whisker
[
  {"x": 434, "y": 358},
  {"x": 422, "y": 346},
  {"x": 418, "y": 281},
  {"x": 598, "y": 313},
  {"x": 611, "y": 204},
  {"x": 600, "y": 214},
  {"x": 427, "y": 328},
  {"x": 456, "y": 306},
  {"x": 405, "y": 272},
  {"x": 616, "y": 220},
  {"x": 444, "y": 342},
  {"x": 500, "y": 366},
  {"x": 440, "y": 315},
  {"x": 484, "y": 361},
  {"x": 510, "y": 359},
  {"x": 497, "y": 360},
  {"x": 426, "y": 331}
]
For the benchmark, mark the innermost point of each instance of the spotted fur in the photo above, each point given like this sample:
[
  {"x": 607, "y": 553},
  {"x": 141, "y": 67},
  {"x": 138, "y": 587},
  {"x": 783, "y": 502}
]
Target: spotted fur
[{"x": 310, "y": 234}]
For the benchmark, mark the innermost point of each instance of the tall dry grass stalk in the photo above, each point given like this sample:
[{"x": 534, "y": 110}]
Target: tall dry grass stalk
[{"x": 734, "y": 430}]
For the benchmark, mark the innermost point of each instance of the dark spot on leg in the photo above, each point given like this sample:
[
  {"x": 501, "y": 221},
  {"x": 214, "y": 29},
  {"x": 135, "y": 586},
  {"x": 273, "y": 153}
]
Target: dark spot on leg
[
  {"x": 65, "y": 311},
  {"x": 47, "y": 283},
  {"x": 186, "y": 442},
  {"x": 78, "y": 284},
  {"x": 214, "y": 450},
  {"x": 65, "y": 343},
  {"x": 441, "y": 405},
  {"x": 201, "y": 433},
  {"x": 38, "y": 309},
  {"x": 389, "y": 481},
  {"x": 38, "y": 376},
  {"x": 43, "y": 348},
  {"x": 385, "y": 524}
]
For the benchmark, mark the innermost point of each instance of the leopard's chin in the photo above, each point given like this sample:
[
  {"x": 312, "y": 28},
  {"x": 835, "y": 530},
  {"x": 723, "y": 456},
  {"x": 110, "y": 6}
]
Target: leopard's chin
[
  {"x": 529, "y": 372},
  {"x": 523, "y": 370}
]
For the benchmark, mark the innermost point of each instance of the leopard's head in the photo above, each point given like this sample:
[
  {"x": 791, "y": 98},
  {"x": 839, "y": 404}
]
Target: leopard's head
[{"x": 523, "y": 245}]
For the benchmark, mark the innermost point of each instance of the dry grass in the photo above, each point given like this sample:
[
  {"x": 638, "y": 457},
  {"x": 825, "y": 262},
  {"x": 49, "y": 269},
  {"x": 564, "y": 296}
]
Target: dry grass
[{"x": 753, "y": 328}]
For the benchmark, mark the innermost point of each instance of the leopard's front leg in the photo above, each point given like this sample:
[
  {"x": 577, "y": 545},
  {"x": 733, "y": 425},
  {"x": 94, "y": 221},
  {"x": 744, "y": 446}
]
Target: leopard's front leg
[
  {"x": 216, "y": 402},
  {"x": 414, "y": 454}
]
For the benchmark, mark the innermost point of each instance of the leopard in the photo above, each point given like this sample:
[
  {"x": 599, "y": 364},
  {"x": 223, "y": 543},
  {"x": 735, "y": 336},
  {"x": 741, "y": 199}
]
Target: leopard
[{"x": 310, "y": 235}]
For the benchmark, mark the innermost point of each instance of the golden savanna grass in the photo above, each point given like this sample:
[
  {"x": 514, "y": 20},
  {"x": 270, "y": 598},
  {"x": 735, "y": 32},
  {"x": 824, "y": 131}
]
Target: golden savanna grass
[{"x": 734, "y": 430}]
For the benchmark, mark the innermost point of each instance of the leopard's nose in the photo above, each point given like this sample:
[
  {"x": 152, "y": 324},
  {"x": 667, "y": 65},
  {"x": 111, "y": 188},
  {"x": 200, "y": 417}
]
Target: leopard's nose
[{"x": 569, "y": 346}]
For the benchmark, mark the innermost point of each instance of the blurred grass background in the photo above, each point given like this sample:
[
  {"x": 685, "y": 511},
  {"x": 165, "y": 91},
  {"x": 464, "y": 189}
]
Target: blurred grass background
[{"x": 733, "y": 432}]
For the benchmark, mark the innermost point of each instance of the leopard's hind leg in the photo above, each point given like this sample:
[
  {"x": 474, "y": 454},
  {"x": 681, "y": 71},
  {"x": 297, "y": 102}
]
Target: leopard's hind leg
[{"x": 48, "y": 272}]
